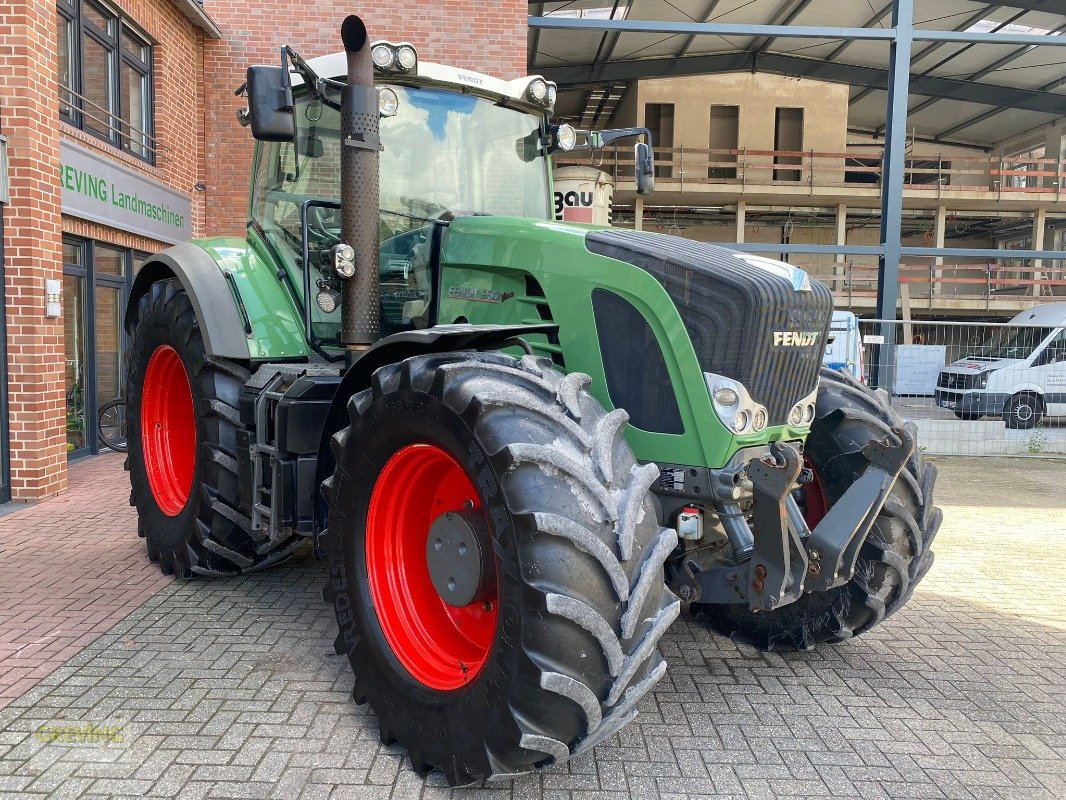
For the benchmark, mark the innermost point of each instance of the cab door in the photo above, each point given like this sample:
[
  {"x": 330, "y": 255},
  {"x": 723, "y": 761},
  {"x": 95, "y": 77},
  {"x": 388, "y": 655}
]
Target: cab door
[{"x": 1049, "y": 372}]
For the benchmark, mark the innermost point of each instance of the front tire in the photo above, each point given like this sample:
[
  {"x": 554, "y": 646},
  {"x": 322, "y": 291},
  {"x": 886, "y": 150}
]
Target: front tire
[
  {"x": 1023, "y": 412},
  {"x": 553, "y": 658},
  {"x": 896, "y": 554},
  {"x": 182, "y": 423}
]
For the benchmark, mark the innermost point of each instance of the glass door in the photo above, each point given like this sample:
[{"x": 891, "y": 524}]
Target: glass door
[
  {"x": 74, "y": 344},
  {"x": 95, "y": 283}
]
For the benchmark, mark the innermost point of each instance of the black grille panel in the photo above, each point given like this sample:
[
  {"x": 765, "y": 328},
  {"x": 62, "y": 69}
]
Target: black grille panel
[
  {"x": 952, "y": 380},
  {"x": 637, "y": 377},
  {"x": 732, "y": 310}
]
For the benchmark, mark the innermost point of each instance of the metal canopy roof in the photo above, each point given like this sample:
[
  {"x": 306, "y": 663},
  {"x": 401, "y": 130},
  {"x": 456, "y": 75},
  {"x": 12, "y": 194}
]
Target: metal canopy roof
[{"x": 980, "y": 93}]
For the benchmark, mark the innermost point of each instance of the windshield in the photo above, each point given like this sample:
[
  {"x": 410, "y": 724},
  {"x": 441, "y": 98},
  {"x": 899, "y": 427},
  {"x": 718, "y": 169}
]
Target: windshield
[
  {"x": 1013, "y": 343},
  {"x": 445, "y": 154}
]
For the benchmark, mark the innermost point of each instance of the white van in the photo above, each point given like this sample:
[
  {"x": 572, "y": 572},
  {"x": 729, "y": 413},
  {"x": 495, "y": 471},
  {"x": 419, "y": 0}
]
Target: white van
[
  {"x": 843, "y": 348},
  {"x": 1020, "y": 374}
]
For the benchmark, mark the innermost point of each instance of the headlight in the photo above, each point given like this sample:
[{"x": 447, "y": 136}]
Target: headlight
[
  {"x": 553, "y": 93},
  {"x": 388, "y": 102},
  {"x": 565, "y": 137},
  {"x": 740, "y": 421},
  {"x": 808, "y": 414},
  {"x": 724, "y": 396},
  {"x": 796, "y": 415},
  {"x": 344, "y": 260},
  {"x": 981, "y": 381},
  {"x": 327, "y": 301},
  {"x": 383, "y": 56},
  {"x": 759, "y": 421},
  {"x": 406, "y": 57},
  {"x": 538, "y": 90}
]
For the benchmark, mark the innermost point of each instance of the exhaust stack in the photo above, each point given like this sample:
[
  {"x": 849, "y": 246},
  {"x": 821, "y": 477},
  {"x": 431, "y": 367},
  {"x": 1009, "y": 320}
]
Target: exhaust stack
[{"x": 360, "y": 310}]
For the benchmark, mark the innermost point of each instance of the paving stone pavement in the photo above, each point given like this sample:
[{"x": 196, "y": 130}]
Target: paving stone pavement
[{"x": 230, "y": 688}]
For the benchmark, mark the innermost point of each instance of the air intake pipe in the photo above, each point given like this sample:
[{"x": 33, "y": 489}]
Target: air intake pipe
[{"x": 360, "y": 311}]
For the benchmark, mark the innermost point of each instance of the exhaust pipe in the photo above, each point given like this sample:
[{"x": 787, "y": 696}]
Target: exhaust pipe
[{"x": 360, "y": 311}]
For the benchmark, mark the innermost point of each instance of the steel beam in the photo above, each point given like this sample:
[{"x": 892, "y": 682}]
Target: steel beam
[
  {"x": 966, "y": 123},
  {"x": 786, "y": 31},
  {"x": 927, "y": 50},
  {"x": 780, "y": 64},
  {"x": 708, "y": 28}
]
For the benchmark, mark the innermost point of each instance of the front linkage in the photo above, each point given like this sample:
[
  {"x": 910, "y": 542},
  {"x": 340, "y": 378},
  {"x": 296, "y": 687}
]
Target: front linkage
[{"x": 783, "y": 558}]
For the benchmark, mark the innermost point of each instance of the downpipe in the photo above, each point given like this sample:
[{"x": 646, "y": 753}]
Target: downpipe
[{"x": 360, "y": 144}]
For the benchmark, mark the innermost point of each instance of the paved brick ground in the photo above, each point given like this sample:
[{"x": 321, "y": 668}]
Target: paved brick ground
[
  {"x": 231, "y": 689},
  {"x": 70, "y": 568}
]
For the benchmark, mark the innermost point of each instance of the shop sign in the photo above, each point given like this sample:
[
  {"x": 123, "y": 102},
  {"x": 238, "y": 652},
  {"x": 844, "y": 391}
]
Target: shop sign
[{"x": 101, "y": 190}]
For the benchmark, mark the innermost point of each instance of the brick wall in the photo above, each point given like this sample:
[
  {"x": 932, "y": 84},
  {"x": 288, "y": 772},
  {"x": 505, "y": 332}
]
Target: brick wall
[
  {"x": 199, "y": 140},
  {"x": 29, "y": 116},
  {"x": 486, "y": 37}
]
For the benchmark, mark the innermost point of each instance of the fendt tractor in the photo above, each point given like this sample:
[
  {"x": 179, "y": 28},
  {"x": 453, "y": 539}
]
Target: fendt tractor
[{"x": 524, "y": 446}]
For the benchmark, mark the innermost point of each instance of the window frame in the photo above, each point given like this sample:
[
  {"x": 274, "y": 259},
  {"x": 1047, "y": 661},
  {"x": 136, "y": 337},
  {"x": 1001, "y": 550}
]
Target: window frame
[{"x": 140, "y": 145}]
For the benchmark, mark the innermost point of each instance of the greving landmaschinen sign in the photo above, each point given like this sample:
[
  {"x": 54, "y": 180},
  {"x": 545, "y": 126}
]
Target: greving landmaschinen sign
[{"x": 101, "y": 190}]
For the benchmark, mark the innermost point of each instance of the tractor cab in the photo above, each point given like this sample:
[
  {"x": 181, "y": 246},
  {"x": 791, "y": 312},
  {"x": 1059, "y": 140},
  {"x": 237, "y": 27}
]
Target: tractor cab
[{"x": 453, "y": 143}]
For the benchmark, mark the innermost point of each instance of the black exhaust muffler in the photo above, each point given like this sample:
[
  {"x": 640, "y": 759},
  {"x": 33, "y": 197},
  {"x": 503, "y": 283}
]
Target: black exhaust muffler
[{"x": 360, "y": 143}]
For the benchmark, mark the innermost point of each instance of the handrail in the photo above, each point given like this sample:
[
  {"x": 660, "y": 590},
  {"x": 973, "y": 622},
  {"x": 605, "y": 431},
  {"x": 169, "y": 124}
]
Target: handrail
[
  {"x": 696, "y": 166},
  {"x": 139, "y": 140}
]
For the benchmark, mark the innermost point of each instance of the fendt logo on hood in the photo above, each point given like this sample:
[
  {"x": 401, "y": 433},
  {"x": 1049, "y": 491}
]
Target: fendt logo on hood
[{"x": 795, "y": 338}]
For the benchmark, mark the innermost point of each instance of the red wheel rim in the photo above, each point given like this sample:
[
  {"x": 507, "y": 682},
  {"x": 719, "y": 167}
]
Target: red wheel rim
[
  {"x": 168, "y": 430},
  {"x": 442, "y": 647},
  {"x": 817, "y": 502}
]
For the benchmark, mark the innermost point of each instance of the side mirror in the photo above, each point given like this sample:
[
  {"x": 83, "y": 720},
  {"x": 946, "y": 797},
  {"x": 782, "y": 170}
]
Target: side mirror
[
  {"x": 645, "y": 169},
  {"x": 270, "y": 104}
]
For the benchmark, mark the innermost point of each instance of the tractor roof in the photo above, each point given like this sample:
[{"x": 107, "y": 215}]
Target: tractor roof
[{"x": 334, "y": 66}]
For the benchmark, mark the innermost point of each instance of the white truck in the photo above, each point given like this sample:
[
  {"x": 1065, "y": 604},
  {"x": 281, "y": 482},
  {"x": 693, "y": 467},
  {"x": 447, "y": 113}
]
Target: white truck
[
  {"x": 1019, "y": 374},
  {"x": 843, "y": 348}
]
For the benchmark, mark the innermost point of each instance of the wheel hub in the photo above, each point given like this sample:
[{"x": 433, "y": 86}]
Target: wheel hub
[
  {"x": 168, "y": 430},
  {"x": 422, "y": 494},
  {"x": 458, "y": 560}
]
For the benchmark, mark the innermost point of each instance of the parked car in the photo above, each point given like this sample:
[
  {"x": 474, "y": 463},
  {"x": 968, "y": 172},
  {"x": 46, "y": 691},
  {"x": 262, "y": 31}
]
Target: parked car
[
  {"x": 843, "y": 349},
  {"x": 1020, "y": 374}
]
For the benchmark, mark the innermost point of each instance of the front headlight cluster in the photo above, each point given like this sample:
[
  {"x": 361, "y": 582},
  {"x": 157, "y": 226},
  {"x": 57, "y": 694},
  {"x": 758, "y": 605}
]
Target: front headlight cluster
[
  {"x": 801, "y": 415},
  {"x": 389, "y": 57},
  {"x": 734, "y": 406},
  {"x": 543, "y": 93},
  {"x": 980, "y": 380}
]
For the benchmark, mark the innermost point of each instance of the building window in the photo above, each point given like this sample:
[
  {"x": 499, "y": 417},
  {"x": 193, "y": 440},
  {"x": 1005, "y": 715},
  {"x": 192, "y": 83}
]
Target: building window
[
  {"x": 105, "y": 76},
  {"x": 659, "y": 119}
]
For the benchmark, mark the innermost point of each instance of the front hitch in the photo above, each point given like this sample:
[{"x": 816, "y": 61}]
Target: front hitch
[{"x": 787, "y": 558}]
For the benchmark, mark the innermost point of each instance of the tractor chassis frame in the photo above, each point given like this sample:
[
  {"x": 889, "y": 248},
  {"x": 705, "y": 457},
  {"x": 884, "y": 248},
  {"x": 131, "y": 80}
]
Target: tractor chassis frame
[{"x": 788, "y": 559}]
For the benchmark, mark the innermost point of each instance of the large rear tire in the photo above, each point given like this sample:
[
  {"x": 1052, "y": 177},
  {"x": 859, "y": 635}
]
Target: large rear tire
[
  {"x": 554, "y": 656},
  {"x": 896, "y": 553},
  {"x": 182, "y": 423}
]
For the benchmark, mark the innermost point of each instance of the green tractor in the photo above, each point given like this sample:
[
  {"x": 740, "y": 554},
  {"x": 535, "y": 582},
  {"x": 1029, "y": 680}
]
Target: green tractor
[{"x": 523, "y": 446}]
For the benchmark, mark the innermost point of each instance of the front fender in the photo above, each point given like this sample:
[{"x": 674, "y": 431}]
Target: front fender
[
  {"x": 244, "y": 310},
  {"x": 211, "y": 297},
  {"x": 399, "y": 346}
]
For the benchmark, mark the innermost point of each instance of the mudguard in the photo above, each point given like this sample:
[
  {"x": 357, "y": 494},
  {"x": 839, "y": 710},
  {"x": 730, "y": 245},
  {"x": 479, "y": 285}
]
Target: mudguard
[
  {"x": 243, "y": 308},
  {"x": 204, "y": 283},
  {"x": 438, "y": 339}
]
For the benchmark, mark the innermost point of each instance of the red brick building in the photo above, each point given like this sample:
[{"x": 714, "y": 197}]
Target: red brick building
[{"x": 121, "y": 138}]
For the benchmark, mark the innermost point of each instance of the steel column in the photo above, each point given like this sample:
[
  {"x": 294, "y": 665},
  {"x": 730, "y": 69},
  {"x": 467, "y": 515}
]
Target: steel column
[{"x": 892, "y": 176}]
